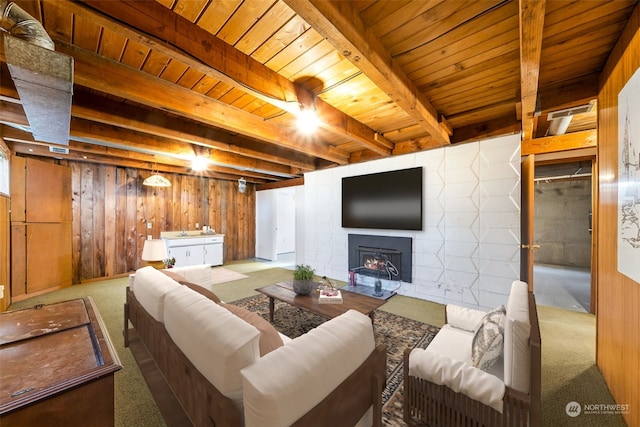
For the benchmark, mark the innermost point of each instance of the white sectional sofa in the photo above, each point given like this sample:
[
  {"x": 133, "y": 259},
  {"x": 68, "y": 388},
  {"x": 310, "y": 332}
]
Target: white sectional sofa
[
  {"x": 492, "y": 380},
  {"x": 226, "y": 371}
]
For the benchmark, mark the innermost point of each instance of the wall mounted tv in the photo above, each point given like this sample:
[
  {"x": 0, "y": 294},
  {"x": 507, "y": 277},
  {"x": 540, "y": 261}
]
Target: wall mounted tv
[{"x": 386, "y": 200}]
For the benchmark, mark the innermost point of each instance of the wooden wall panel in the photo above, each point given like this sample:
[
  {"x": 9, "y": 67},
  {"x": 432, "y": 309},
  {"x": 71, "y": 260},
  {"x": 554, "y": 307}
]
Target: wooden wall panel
[
  {"x": 5, "y": 237},
  {"x": 44, "y": 201},
  {"x": 111, "y": 209},
  {"x": 618, "y": 303}
]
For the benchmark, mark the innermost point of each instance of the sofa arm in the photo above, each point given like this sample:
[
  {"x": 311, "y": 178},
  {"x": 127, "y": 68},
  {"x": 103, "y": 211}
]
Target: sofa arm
[
  {"x": 464, "y": 318},
  {"x": 459, "y": 376}
]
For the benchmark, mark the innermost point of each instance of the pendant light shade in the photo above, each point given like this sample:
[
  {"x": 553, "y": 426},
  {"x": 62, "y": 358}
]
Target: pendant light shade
[{"x": 157, "y": 180}]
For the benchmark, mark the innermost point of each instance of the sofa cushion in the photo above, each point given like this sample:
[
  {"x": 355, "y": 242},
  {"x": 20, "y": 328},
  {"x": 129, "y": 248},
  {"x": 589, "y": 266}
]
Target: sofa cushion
[
  {"x": 288, "y": 382},
  {"x": 150, "y": 288},
  {"x": 218, "y": 343},
  {"x": 487, "y": 343},
  {"x": 517, "y": 354},
  {"x": 270, "y": 339}
]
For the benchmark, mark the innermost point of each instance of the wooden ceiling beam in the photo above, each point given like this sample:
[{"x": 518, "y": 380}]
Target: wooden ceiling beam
[
  {"x": 119, "y": 114},
  {"x": 531, "y": 14},
  {"x": 488, "y": 129},
  {"x": 124, "y": 139},
  {"x": 12, "y": 113},
  {"x": 340, "y": 24},
  {"x": 101, "y": 134},
  {"x": 212, "y": 56},
  {"x": 22, "y": 142},
  {"x": 107, "y": 76},
  {"x": 566, "y": 142}
]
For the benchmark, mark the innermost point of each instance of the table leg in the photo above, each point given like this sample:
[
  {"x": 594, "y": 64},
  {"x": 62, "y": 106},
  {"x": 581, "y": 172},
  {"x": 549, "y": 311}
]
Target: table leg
[{"x": 271, "y": 308}]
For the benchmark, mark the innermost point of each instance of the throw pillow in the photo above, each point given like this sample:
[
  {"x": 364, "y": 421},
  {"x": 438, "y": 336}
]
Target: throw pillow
[
  {"x": 488, "y": 341},
  {"x": 270, "y": 339}
]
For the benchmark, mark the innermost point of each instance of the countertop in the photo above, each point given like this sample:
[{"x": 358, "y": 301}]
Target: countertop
[{"x": 187, "y": 234}]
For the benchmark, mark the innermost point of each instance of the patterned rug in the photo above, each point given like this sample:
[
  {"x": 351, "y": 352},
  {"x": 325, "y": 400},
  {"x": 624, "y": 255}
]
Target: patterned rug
[{"x": 395, "y": 332}]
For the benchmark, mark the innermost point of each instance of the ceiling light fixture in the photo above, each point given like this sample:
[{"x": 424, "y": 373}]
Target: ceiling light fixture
[
  {"x": 199, "y": 163},
  {"x": 308, "y": 120},
  {"x": 156, "y": 180}
]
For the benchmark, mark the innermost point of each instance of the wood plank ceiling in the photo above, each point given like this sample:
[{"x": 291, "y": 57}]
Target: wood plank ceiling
[{"x": 159, "y": 82}]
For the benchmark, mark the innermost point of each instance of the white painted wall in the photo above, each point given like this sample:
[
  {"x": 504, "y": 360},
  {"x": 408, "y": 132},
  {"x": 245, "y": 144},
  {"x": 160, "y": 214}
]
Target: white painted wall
[{"x": 469, "y": 250}]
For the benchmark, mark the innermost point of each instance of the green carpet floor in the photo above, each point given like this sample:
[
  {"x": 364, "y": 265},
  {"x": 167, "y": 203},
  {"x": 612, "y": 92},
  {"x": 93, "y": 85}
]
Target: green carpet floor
[{"x": 568, "y": 347}]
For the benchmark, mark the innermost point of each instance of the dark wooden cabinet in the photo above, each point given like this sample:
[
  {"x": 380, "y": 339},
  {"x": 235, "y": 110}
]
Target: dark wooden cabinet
[{"x": 57, "y": 366}]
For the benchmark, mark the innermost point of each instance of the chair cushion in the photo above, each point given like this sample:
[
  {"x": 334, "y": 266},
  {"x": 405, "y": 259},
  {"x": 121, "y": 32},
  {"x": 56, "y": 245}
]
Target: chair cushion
[
  {"x": 459, "y": 376},
  {"x": 455, "y": 344},
  {"x": 487, "y": 343},
  {"x": 218, "y": 343},
  {"x": 517, "y": 354},
  {"x": 288, "y": 382},
  {"x": 150, "y": 289},
  {"x": 270, "y": 339}
]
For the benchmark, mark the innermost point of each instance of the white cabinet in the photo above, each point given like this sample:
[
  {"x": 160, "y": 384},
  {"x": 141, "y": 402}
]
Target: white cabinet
[
  {"x": 213, "y": 253},
  {"x": 196, "y": 250}
]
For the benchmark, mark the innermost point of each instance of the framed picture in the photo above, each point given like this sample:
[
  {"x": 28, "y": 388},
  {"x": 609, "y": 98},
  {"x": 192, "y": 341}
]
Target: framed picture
[{"x": 629, "y": 178}]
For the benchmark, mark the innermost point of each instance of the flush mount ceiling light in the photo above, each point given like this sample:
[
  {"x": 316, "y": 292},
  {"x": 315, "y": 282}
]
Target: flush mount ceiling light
[
  {"x": 156, "y": 180},
  {"x": 308, "y": 120},
  {"x": 199, "y": 163}
]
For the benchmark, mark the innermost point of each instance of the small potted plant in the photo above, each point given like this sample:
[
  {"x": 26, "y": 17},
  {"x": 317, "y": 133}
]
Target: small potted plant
[
  {"x": 303, "y": 279},
  {"x": 169, "y": 262}
]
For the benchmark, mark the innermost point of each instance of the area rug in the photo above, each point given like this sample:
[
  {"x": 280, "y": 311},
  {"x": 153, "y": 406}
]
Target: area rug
[
  {"x": 221, "y": 275},
  {"x": 396, "y": 333}
]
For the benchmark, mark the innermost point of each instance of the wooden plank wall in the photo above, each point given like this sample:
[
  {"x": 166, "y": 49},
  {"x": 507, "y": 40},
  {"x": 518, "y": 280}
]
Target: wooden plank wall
[
  {"x": 618, "y": 306},
  {"x": 111, "y": 208}
]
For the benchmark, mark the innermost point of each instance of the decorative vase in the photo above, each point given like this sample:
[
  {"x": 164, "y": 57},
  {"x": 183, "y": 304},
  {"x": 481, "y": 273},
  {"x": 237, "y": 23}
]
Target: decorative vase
[{"x": 302, "y": 287}]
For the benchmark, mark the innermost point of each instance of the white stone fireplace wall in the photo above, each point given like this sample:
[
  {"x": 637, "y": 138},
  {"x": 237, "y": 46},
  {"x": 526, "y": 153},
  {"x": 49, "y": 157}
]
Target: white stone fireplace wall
[{"x": 469, "y": 250}]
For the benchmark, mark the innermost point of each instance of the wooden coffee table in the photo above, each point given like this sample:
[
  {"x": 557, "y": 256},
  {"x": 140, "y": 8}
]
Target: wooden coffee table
[{"x": 351, "y": 301}]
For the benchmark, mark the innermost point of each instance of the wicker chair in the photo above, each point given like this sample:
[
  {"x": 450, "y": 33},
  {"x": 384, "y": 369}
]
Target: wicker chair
[{"x": 436, "y": 405}]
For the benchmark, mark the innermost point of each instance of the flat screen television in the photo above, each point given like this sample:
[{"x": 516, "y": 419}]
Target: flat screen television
[{"x": 386, "y": 200}]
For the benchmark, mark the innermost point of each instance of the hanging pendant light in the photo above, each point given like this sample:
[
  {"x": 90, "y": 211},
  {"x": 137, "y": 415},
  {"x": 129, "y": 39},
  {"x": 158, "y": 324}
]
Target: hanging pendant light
[{"x": 156, "y": 180}]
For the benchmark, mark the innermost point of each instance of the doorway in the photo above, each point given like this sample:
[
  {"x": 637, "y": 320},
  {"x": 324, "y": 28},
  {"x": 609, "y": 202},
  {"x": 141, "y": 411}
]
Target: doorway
[
  {"x": 562, "y": 228},
  {"x": 276, "y": 222}
]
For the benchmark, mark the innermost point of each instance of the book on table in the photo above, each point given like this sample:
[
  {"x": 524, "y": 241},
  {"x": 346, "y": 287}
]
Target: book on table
[{"x": 330, "y": 297}]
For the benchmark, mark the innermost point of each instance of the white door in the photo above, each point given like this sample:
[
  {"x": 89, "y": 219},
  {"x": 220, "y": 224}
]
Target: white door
[
  {"x": 266, "y": 226},
  {"x": 286, "y": 220}
]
